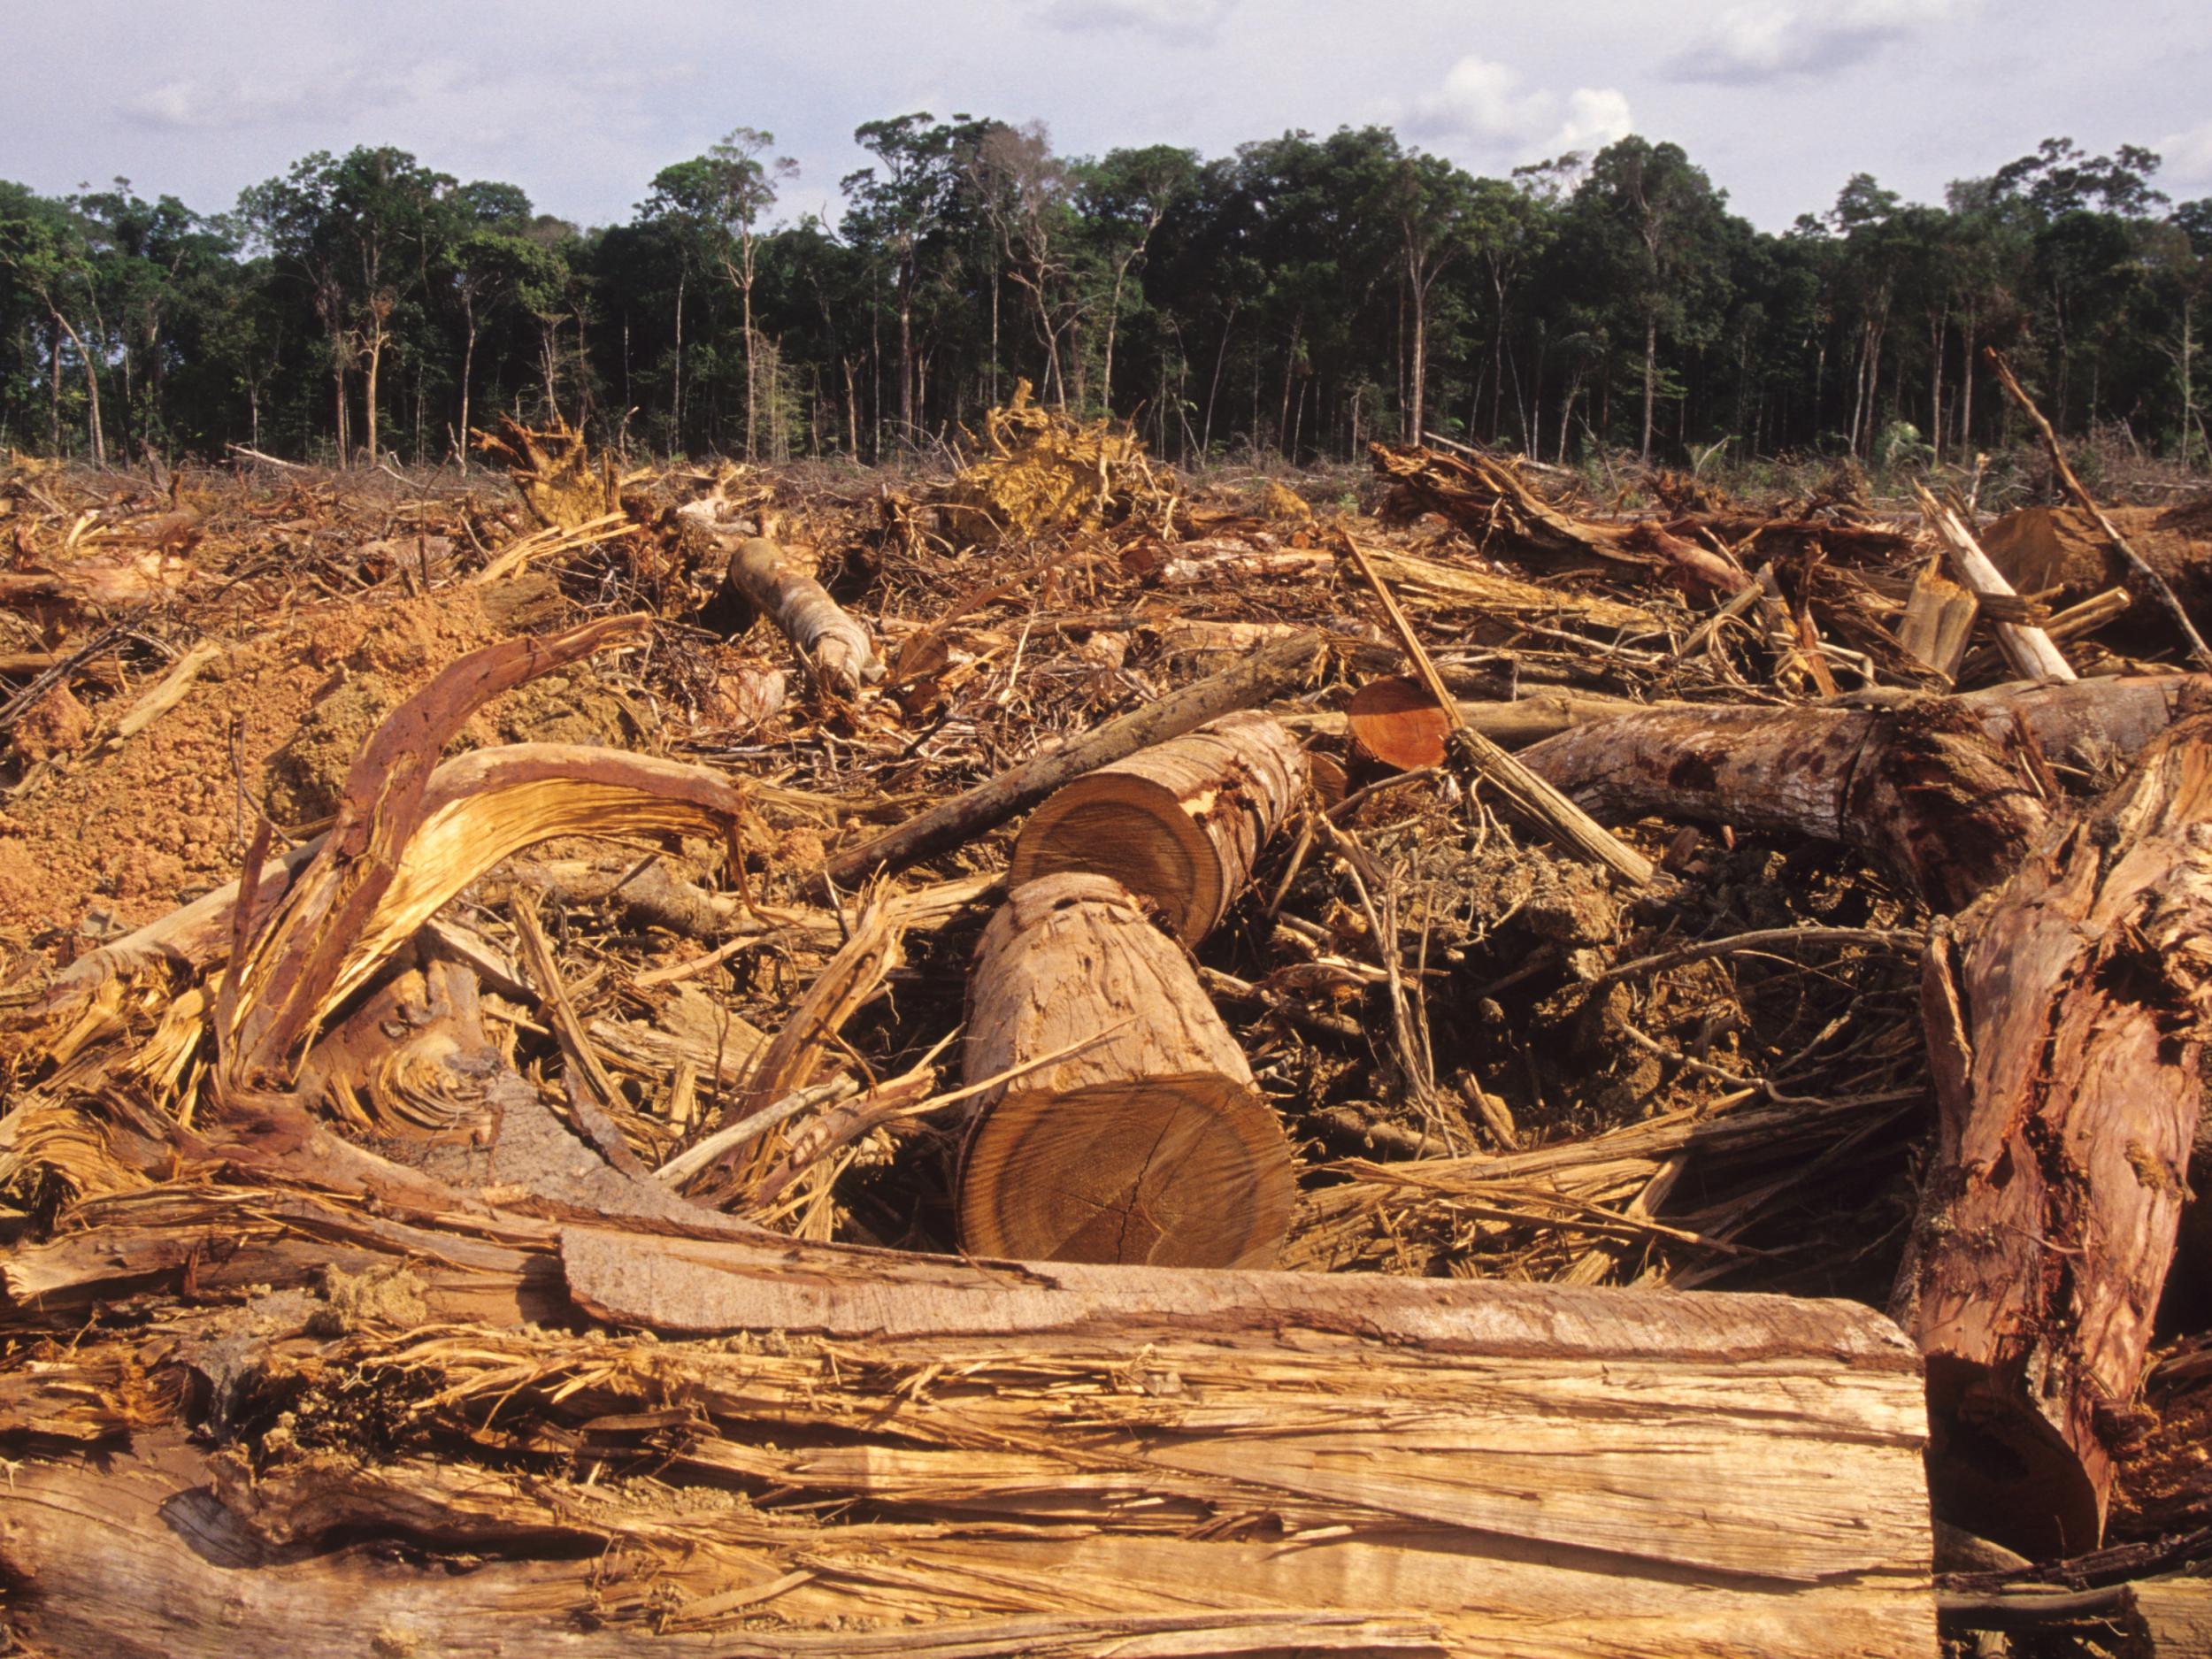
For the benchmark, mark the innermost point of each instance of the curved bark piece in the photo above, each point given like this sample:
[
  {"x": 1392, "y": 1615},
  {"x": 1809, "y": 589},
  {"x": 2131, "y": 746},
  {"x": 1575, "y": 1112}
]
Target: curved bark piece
[
  {"x": 1179, "y": 823},
  {"x": 283, "y": 974},
  {"x": 1148, "y": 1143},
  {"x": 1921, "y": 788},
  {"x": 477, "y": 808},
  {"x": 836, "y": 648},
  {"x": 2065, "y": 1026}
]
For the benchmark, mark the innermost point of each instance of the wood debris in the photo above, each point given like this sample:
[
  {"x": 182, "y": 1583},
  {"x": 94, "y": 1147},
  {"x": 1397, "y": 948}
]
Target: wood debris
[{"x": 485, "y": 1161}]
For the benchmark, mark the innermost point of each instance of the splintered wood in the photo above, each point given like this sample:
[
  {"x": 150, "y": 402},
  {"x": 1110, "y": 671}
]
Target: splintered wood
[{"x": 1026, "y": 1459}]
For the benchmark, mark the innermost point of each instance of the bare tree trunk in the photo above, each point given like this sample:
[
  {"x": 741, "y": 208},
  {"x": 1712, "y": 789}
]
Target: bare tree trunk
[
  {"x": 1651, "y": 372},
  {"x": 468, "y": 370}
]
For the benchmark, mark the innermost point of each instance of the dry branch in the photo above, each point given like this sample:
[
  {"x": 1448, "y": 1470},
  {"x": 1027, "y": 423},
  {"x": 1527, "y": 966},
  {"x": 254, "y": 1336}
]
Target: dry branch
[{"x": 832, "y": 644}]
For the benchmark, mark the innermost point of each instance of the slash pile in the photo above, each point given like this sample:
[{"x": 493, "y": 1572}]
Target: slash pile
[{"x": 734, "y": 1061}]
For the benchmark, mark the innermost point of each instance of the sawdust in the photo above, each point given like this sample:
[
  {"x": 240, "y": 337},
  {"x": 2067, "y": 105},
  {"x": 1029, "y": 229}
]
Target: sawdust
[{"x": 387, "y": 1296}]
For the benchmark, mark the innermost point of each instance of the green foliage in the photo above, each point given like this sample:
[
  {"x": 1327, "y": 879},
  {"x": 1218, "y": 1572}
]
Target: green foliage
[{"x": 1295, "y": 298}]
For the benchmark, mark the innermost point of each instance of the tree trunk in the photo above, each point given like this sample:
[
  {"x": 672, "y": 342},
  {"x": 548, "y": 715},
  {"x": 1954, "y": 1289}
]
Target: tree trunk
[
  {"x": 1179, "y": 824},
  {"x": 834, "y": 646},
  {"x": 91, "y": 390},
  {"x": 1418, "y": 387},
  {"x": 468, "y": 371},
  {"x": 1149, "y": 1144},
  {"x": 1265, "y": 674},
  {"x": 2065, "y": 1016},
  {"x": 982, "y": 1461},
  {"x": 1923, "y": 790},
  {"x": 1651, "y": 372}
]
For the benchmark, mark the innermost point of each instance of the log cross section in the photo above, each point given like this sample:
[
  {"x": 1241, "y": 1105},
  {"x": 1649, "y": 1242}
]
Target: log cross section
[{"x": 1179, "y": 824}]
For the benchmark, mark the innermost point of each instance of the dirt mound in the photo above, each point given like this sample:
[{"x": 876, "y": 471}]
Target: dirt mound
[{"x": 114, "y": 841}]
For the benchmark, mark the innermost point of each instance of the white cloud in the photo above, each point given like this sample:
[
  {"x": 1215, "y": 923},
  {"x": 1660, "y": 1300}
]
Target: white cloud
[
  {"x": 1482, "y": 111},
  {"x": 1175, "y": 20},
  {"x": 1769, "y": 38},
  {"x": 2186, "y": 157}
]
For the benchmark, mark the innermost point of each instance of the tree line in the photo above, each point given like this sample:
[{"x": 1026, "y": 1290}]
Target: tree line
[{"x": 1298, "y": 298}]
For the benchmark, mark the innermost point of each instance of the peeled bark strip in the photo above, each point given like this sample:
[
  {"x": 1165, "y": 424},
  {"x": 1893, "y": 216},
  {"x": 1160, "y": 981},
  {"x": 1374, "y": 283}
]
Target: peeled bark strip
[
  {"x": 1179, "y": 823},
  {"x": 1923, "y": 788},
  {"x": 1147, "y": 1145},
  {"x": 2065, "y": 1024},
  {"x": 835, "y": 646}
]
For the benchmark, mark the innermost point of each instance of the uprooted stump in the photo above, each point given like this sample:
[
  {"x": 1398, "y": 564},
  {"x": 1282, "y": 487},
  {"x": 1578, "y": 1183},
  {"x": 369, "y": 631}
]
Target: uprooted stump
[{"x": 2066, "y": 1014}]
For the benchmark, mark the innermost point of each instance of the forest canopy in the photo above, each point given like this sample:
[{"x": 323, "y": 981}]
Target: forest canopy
[{"x": 1298, "y": 298}]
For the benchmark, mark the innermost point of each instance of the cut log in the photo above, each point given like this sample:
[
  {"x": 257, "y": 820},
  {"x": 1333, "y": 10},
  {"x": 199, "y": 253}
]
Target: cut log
[
  {"x": 1145, "y": 1139},
  {"x": 2065, "y": 1023},
  {"x": 1179, "y": 824},
  {"x": 1922, "y": 788},
  {"x": 969, "y": 1461},
  {"x": 835, "y": 646},
  {"x": 1267, "y": 674}
]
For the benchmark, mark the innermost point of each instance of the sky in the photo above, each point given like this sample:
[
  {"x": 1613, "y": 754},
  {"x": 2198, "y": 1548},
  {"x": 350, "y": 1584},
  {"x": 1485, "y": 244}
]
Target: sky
[{"x": 581, "y": 101}]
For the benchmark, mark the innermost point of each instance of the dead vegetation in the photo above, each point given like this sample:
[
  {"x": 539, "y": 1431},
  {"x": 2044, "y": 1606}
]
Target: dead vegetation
[{"x": 506, "y": 1035}]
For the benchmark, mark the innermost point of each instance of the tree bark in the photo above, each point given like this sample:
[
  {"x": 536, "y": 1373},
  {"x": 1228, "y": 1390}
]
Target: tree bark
[
  {"x": 1265, "y": 674},
  {"x": 2065, "y": 1019},
  {"x": 1179, "y": 824},
  {"x": 1923, "y": 789},
  {"x": 834, "y": 646},
  {"x": 1147, "y": 1145}
]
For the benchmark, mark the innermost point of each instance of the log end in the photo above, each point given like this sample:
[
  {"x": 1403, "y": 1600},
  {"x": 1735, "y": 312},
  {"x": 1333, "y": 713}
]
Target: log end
[
  {"x": 1132, "y": 829},
  {"x": 1184, "y": 1170},
  {"x": 1398, "y": 723},
  {"x": 2000, "y": 1471}
]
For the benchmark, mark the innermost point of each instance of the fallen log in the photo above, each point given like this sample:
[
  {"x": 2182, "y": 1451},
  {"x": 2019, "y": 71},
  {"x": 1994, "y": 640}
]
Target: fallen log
[
  {"x": 2142, "y": 574},
  {"x": 1266, "y": 674},
  {"x": 1179, "y": 824},
  {"x": 989, "y": 1460},
  {"x": 1146, "y": 1142},
  {"x": 835, "y": 646},
  {"x": 1922, "y": 788},
  {"x": 2065, "y": 1015}
]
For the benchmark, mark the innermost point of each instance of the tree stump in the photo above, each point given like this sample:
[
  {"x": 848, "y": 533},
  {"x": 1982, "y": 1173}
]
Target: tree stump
[
  {"x": 1179, "y": 824},
  {"x": 1148, "y": 1144}
]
